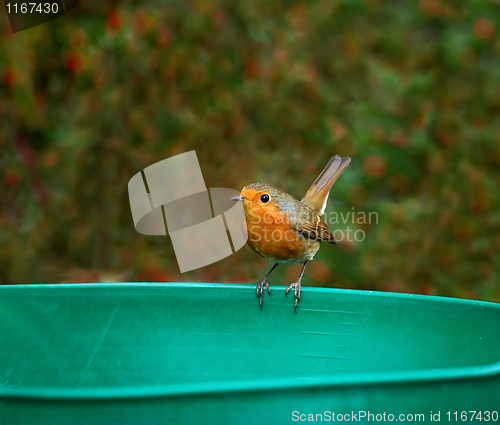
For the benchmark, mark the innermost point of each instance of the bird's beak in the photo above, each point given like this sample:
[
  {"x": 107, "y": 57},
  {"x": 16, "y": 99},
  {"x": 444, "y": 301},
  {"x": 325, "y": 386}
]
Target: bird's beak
[{"x": 238, "y": 198}]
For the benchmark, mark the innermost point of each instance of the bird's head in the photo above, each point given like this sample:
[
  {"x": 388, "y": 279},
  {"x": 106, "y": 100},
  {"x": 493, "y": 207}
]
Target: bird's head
[{"x": 260, "y": 198}]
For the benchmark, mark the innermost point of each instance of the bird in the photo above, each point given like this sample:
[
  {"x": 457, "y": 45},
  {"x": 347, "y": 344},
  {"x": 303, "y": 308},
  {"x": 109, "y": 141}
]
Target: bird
[{"x": 285, "y": 230}]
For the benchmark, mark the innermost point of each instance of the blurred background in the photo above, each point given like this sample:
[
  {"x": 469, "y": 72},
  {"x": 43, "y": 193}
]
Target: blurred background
[{"x": 263, "y": 91}]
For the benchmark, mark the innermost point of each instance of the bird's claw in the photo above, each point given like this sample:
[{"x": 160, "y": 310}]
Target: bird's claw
[
  {"x": 260, "y": 290},
  {"x": 297, "y": 286}
]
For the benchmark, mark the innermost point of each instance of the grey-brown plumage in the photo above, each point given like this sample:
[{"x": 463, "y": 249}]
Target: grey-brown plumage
[{"x": 296, "y": 227}]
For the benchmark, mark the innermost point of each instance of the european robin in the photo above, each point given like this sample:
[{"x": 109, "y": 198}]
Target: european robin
[{"x": 285, "y": 230}]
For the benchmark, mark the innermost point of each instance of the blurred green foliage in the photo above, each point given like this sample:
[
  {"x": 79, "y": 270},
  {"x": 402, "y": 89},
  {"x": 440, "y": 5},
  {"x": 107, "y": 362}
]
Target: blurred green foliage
[{"x": 263, "y": 91}]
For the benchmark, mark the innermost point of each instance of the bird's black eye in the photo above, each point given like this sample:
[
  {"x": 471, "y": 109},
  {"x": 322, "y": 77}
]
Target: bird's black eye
[{"x": 264, "y": 198}]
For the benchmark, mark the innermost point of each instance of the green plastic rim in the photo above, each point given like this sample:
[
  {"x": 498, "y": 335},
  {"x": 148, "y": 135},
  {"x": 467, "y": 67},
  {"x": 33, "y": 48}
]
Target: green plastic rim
[{"x": 251, "y": 385}]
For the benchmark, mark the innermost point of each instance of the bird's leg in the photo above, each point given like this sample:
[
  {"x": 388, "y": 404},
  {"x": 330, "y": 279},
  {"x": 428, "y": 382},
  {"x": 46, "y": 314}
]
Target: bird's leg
[
  {"x": 263, "y": 282},
  {"x": 297, "y": 286}
]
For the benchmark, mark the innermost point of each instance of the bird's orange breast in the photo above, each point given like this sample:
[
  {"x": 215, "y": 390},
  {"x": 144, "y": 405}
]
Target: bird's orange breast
[{"x": 271, "y": 234}]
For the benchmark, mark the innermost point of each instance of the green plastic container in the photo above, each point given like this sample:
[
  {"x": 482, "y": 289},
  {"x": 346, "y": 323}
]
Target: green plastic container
[{"x": 150, "y": 353}]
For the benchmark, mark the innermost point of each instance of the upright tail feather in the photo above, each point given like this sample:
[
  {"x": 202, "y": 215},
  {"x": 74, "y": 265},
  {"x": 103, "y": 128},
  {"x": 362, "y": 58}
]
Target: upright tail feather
[{"x": 317, "y": 195}]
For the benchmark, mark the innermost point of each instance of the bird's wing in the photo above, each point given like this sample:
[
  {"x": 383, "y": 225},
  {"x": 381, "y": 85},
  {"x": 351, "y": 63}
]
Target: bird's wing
[
  {"x": 317, "y": 195},
  {"x": 315, "y": 228}
]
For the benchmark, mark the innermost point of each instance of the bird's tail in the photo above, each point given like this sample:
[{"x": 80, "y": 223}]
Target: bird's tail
[{"x": 317, "y": 195}]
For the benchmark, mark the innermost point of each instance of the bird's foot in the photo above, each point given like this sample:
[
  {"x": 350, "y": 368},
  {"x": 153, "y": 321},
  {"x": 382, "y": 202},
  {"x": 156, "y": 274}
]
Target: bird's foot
[
  {"x": 260, "y": 290},
  {"x": 297, "y": 286}
]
